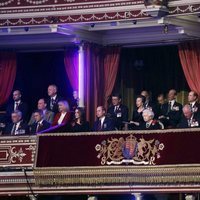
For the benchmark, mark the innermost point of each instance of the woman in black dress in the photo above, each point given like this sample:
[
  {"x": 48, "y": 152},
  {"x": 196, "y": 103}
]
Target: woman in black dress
[
  {"x": 79, "y": 123},
  {"x": 137, "y": 118}
]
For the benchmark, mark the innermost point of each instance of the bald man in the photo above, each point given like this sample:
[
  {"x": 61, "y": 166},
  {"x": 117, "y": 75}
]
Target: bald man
[
  {"x": 17, "y": 104},
  {"x": 189, "y": 119},
  {"x": 172, "y": 111}
]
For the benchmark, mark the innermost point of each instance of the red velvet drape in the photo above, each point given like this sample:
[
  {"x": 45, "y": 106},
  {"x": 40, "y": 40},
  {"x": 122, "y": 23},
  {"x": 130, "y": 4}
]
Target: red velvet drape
[
  {"x": 110, "y": 65},
  {"x": 101, "y": 66},
  {"x": 189, "y": 54},
  {"x": 71, "y": 66},
  {"x": 7, "y": 74},
  {"x": 93, "y": 80}
]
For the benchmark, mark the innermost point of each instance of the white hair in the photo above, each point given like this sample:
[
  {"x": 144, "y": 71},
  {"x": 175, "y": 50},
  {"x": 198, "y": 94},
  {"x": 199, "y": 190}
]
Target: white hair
[
  {"x": 65, "y": 103},
  {"x": 148, "y": 112}
]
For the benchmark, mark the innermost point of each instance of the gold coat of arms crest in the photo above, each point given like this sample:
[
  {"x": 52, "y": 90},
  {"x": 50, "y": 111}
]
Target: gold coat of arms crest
[{"x": 129, "y": 150}]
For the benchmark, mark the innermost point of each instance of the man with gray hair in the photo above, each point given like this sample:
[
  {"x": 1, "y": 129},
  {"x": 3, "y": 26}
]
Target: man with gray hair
[
  {"x": 189, "y": 119},
  {"x": 149, "y": 122},
  {"x": 53, "y": 99},
  {"x": 17, "y": 127}
]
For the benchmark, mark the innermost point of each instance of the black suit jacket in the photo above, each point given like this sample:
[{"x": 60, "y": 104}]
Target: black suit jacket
[
  {"x": 84, "y": 127},
  {"x": 23, "y": 129},
  {"x": 23, "y": 107},
  {"x": 121, "y": 115},
  {"x": 184, "y": 122},
  {"x": 173, "y": 117},
  {"x": 55, "y": 106},
  {"x": 196, "y": 109},
  {"x": 45, "y": 125},
  {"x": 159, "y": 110},
  {"x": 108, "y": 125}
]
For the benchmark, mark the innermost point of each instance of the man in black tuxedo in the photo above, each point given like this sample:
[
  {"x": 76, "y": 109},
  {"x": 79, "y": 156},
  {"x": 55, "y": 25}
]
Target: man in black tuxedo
[
  {"x": 118, "y": 112},
  {"x": 17, "y": 104},
  {"x": 159, "y": 109},
  {"x": 193, "y": 102},
  {"x": 172, "y": 111},
  {"x": 189, "y": 119},
  {"x": 103, "y": 123},
  {"x": 148, "y": 103},
  {"x": 40, "y": 124},
  {"x": 17, "y": 127},
  {"x": 53, "y": 99}
]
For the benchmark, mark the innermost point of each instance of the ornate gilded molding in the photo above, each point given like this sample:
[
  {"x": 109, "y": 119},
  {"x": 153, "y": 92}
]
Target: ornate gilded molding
[
  {"x": 17, "y": 151},
  {"x": 44, "y": 12},
  {"x": 118, "y": 176}
]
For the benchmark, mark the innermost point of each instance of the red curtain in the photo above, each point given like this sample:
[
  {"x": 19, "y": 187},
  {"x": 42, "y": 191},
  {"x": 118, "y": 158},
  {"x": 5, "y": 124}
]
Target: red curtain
[
  {"x": 7, "y": 75},
  {"x": 101, "y": 66},
  {"x": 71, "y": 66},
  {"x": 111, "y": 65},
  {"x": 93, "y": 80},
  {"x": 189, "y": 54}
]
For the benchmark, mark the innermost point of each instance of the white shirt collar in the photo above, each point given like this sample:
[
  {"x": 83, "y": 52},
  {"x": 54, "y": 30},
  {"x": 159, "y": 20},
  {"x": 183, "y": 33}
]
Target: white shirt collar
[
  {"x": 54, "y": 97},
  {"x": 40, "y": 122},
  {"x": 172, "y": 102},
  {"x": 192, "y": 103},
  {"x": 102, "y": 119}
]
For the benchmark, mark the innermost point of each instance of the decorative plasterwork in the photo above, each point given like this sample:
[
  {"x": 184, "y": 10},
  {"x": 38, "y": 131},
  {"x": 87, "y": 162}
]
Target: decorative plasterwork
[
  {"x": 16, "y": 152},
  {"x": 179, "y": 10}
]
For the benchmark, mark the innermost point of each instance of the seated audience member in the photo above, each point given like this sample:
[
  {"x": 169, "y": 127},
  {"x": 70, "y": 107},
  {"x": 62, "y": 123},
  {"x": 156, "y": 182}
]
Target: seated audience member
[
  {"x": 193, "y": 102},
  {"x": 75, "y": 100},
  {"x": 118, "y": 112},
  {"x": 189, "y": 120},
  {"x": 64, "y": 115},
  {"x": 103, "y": 123},
  {"x": 79, "y": 123},
  {"x": 17, "y": 127},
  {"x": 2, "y": 123},
  {"x": 160, "y": 105},
  {"x": 40, "y": 123},
  {"x": 148, "y": 103},
  {"x": 172, "y": 111},
  {"x": 48, "y": 115},
  {"x": 53, "y": 99},
  {"x": 149, "y": 122},
  {"x": 137, "y": 118},
  {"x": 17, "y": 104}
]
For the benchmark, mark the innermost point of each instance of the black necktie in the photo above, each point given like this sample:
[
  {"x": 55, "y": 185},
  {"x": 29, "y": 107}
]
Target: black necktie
[
  {"x": 39, "y": 125},
  {"x": 52, "y": 103},
  {"x": 116, "y": 109},
  {"x": 14, "y": 129},
  {"x": 169, "y": 106},
  {"x": 99, "y": 125},
  {"x": 16, "y": 106}
]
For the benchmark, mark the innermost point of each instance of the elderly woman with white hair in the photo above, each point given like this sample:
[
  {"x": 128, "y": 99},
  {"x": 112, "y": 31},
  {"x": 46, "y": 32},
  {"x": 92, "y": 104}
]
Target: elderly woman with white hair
[
  {"x": 149, "y": 122},
  {"x": 64, "y": 115}
]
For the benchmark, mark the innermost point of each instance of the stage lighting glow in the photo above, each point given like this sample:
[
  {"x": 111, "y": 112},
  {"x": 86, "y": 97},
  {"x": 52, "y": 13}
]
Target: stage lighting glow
[{"x": 81, "y": 76}]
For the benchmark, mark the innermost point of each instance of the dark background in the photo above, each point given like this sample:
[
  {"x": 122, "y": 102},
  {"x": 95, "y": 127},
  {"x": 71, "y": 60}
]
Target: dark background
[
  {"x": 156, "y": 69},
  {"x": 35, "y": 71}
]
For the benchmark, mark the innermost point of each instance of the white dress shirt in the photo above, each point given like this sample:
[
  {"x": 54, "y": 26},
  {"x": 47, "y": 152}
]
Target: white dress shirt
[{"x": 16, "y": 103}]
